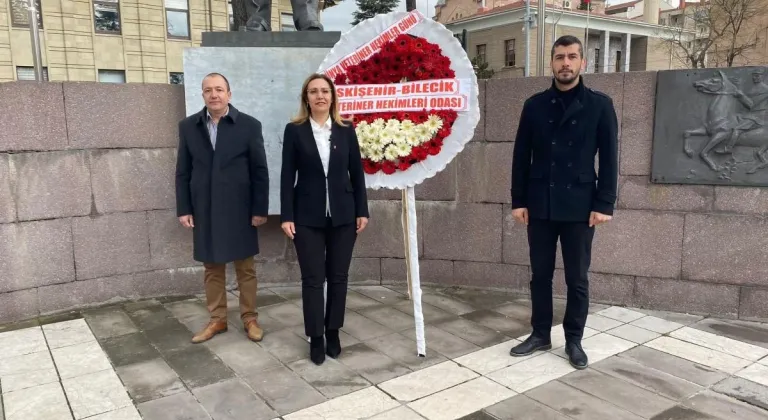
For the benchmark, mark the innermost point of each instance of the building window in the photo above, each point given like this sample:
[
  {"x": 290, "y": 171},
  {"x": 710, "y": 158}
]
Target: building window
[
  {"x": 28, "y": 73},
  {"x": 597, "y": 60},
  {"x": 176, "y": 78},
  {"x": 231, "y": 15},
  {"x": 106, "y": 16},
  {"x": 20, "y": 13},
  {"x": 112, "y": 76},
  {"x": 481, "y": 58},
  {"x": 177, "y": 18},
  {"x": 618, "y": 61},
  {"x": 509, "y": 53},
  {"x": 286, "y": 22}
]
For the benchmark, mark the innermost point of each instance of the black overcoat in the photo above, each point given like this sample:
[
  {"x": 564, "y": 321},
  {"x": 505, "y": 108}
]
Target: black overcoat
[
  {"x": 553, "y": 166},
  {"x": 222, "y": 189},
  {"x": 303, "y": 200}
]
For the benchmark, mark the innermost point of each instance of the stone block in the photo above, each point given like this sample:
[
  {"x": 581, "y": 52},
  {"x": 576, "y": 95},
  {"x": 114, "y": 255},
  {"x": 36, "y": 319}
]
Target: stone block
[
  {"x": 637, "y": 123},
  {"x": 383, "y": 237},
  {"x": 687, "y": 296},
  {"x": 726, "y": 249},
  {"x": 742, "y": 200},
  {"x": 36, "y": 254},
  {"x": 604, "y": 288},
  {"x": 491, "y": 275},
  {"x": 129, "y": 115},
  {"x": 481, "y": 95},
  {"x": 282, "y": 273},
  {"x": 33, "y": 117},
  {"x": 502, "y": 113},
  {"x": 110, "y": 244},
  {"x": 441, "y": 187},
  {"x": 754, "y": 304},
  {"x": 172, "y": 282},
  {"x": 19, "y": 305},
  {"x": 7, "y": 200},
  {"x": 467, "y": 232},
  {"x": 52, "y": 185},
  {"x": 365, "y": 270},
  {"x": 131, "y": 180},
  {"x": 638, "y": 193},
  {"x": 384, "y": 194},
  {"x": 86, "y": 293},
  {"x": 639, "y": 243},
  {"x": 170, "y": 244},
  {"x": 394, "y": 271},
  {"x": 485, "y": 171}
]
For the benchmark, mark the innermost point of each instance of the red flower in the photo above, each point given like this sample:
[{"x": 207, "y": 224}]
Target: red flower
[
  {"x": 388, "y": 167},
  {"x": 403, "y": 165}
]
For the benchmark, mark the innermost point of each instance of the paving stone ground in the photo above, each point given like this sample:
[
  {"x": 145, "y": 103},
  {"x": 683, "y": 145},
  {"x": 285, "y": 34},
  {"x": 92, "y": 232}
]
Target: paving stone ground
[{"x": 135, "y": 361}]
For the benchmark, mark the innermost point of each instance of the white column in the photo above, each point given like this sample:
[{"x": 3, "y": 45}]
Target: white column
[
  {"x": 605, "y": 52},
  {"x": 626, "y": 44}
]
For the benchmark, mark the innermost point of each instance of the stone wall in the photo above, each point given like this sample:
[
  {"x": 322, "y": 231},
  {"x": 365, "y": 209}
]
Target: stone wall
[{"x": 87, "y": 210}]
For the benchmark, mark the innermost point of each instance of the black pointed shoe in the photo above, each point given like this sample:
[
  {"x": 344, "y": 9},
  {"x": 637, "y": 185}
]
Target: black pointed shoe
[
  {"x": 317, "y": 350},
  {"x": 333, "y": 345},
  {"x": 576, "y": 355},
  {"x": 531, "y": 344}
]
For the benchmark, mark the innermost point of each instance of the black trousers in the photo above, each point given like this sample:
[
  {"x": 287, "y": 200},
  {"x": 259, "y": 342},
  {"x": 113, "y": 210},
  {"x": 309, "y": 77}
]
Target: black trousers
[
  {"x": 576, "y": 245},
  {"x": 324, "y": 255}
]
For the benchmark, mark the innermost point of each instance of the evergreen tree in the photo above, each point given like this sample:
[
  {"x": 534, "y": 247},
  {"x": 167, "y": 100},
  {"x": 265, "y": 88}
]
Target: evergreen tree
[{"x": 367, "y": 9}]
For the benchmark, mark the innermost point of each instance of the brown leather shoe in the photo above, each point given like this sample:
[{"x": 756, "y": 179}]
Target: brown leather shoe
[
  {"x": 213, "y": 328},
  {"x": 255, "y": 333}
]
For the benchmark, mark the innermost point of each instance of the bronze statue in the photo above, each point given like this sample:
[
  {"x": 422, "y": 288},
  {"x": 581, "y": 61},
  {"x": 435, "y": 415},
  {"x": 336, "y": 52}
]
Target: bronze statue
[{"x": 305, "y": 15}]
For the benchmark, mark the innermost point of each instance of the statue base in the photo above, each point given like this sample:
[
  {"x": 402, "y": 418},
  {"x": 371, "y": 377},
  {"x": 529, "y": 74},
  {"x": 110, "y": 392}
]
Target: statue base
[
  {"x": 265, "y": 71},
  {"x": 288, "y": 39}
]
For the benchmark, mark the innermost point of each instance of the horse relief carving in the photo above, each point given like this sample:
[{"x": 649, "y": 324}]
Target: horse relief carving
[{"x": 736, "y": 117}]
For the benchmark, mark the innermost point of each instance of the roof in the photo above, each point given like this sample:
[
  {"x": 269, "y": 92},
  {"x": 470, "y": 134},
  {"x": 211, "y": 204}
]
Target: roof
[{"x": 521, "y": 3}]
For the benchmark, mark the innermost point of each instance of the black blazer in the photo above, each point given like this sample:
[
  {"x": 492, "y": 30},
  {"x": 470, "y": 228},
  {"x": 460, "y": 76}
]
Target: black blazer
[
  {"x": 553, "y": 167},
  {"x": 303, "y": 201}
]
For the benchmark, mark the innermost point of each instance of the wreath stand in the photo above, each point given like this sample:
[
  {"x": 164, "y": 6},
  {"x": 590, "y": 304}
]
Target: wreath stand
[{"x": 410, "y": 235}]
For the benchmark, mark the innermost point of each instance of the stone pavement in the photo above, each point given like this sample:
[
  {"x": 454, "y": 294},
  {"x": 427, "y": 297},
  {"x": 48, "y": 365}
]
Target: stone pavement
[{"x": 135, "y": 361}]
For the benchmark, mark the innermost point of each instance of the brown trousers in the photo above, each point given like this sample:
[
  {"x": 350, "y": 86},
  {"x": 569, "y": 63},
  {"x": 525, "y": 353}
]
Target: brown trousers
[{"x": 216, "y": 290}]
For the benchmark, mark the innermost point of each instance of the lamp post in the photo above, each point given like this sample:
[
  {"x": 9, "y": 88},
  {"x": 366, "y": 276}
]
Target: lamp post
[{"x": 34, "y": 32}]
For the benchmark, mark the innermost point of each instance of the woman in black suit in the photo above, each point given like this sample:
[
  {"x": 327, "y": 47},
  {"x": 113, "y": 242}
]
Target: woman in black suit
[{"x": 324, "y": 210}]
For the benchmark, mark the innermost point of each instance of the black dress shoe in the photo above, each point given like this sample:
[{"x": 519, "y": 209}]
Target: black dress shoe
[
  {"x": 333, "y": 347},
  {"x": 530, "y": 345},
  {"x": 317, "y": 350},
  {"x": 576, "y": 355}
]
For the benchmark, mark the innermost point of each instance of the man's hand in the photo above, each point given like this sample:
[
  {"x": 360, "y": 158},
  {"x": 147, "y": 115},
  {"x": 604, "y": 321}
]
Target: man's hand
[
  {"x": 187, "y": 221},
  {"x": 257, "y": 221},
  {"x": 520, "y": 215},
  {"x": 596, "y": 218},
  {"x": 362, "y": 222},
  {"x": 289, "y": 228}
]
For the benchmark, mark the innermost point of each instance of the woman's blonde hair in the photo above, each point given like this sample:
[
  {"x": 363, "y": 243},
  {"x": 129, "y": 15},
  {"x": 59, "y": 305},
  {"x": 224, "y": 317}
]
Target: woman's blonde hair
[{"x": 304, "y": 111}]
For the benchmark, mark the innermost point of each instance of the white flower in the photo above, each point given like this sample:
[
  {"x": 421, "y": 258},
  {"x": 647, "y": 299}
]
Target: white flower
[
  {"x": 423, "y": 133},
  {"x": 403, "y": 150},
  {"x": 413, "y": 139},
  {"x": 378, "y": 123},
  {"x": 393, "y": 124},
  {"x": 434, "y": 124},
  {"x": 376, "y": 155},
  {"x": 390, "y": 153},
  {"x": 407, "y": 125},
  {"x": 399, "y": 138}
]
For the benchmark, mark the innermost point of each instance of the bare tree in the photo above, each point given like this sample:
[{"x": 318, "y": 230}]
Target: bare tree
[{"x": 719, "y": 31}]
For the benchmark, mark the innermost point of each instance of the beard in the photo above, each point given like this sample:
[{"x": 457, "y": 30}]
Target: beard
[{"x": 566, "y": 77}]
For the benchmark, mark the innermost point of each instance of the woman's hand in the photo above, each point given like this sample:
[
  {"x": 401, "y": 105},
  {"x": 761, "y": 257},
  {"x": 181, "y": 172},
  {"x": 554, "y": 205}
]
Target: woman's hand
[
  {"x": 361, "y": 223},
  {"x": 289, "y": 229}
]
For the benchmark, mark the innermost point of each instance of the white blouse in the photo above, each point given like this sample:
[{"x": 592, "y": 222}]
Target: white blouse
[{"x": 322, "y": 134}]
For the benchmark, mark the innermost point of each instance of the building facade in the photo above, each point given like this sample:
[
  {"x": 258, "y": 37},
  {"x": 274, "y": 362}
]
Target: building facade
[
  {"x": 496, "y": 34},
  {"x": 113, "y": 40}
]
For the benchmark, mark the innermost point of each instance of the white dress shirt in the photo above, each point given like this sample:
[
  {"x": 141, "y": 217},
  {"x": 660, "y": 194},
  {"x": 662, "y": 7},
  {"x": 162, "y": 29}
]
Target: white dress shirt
[{"x": 322, "y": 134}]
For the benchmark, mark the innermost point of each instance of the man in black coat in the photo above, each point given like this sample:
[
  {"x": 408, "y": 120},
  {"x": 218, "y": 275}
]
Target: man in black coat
[
  {"x": 222, "y": 193},
  {"x": 557, "y": 194}
]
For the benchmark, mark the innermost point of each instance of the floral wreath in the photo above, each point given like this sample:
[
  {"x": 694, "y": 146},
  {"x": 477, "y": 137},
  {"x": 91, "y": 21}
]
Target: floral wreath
[
  {"x": 395, "y": 141},
  {"x": 401, "y": 148}
]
